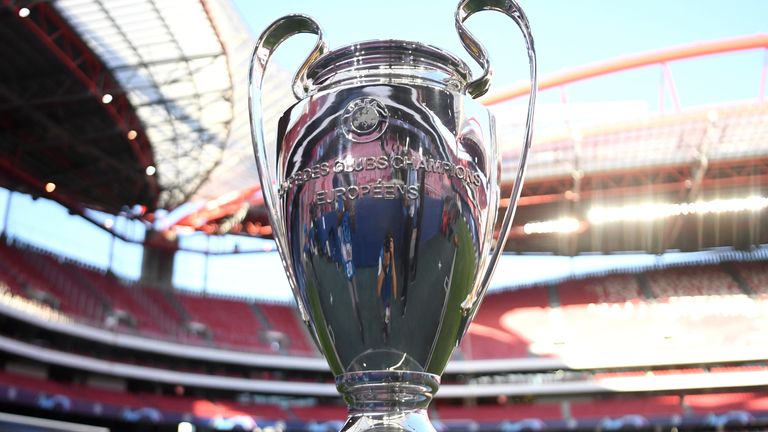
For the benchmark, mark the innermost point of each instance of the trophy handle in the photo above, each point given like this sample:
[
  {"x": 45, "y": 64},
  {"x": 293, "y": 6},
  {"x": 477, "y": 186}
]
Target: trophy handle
[
  {"x": 274, "y": 35},
  {"x": 479, "y": 87}
]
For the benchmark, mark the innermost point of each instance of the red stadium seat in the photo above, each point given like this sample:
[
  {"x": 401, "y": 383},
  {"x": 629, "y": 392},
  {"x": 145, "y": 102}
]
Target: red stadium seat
[
  {"x": 607, "y": 289},
  {"x": 40, "y": 272},
  {"x": 692, "y": 281},
  {"x": 499, "y": 413},
  {"x": 644, "y": 406},
  {"x": 488, "y": 337},
  {"x": 724, "y": 402},
  {"x": 285, "y": 319},
  {"x": 232, "y": 322},
  {"x": 320, "y": 413},
  {"x": 755, "y": 274}
]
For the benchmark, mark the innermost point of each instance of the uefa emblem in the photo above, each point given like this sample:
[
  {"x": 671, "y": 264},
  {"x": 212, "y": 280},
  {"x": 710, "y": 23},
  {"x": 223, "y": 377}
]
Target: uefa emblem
[{"x": 364, "y": 119}]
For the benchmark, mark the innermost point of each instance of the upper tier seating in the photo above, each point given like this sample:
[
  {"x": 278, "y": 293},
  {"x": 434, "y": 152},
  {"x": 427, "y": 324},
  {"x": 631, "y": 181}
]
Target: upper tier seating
[
  {"x": 232, "y": 323},
  {"x": 607, "y": 289},
  {"x": 36, "y": 273},
  {"x": 121, "y": 297},
  {"x": 755, "y": 274},
  {"x": 692, "y": 281},
  {"x": 285, "y": 319}
]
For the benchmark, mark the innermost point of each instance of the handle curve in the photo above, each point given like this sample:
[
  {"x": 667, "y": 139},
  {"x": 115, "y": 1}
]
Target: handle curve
[
  {"x": 512, "y": 9},
  {"x": 280, "y": 30},
  {"x": 479, "y": 87}
]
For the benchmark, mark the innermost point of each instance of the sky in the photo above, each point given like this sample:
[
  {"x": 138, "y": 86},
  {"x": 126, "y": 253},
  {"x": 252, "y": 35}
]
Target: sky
[{"x": 568, "y": 34}]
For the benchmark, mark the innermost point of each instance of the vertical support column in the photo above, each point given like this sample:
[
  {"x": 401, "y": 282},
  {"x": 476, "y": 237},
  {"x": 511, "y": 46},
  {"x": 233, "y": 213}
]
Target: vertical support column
[
  {"x": 672, "y": 88},
  {"x": 157, "y": 263},
  {"x": 207, "y": 264},
  {"x": 111, "y": 259},
  {"x": 7, "y": 215},
  {"x": 763, "y": 76}
]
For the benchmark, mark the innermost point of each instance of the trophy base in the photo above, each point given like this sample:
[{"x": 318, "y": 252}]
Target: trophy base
[
  {"x": 388, "y": 401},
  {"x": 414, "y": 421}
]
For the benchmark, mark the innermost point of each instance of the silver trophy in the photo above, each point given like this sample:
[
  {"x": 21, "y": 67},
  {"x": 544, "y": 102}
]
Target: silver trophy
[{"x": 383, "y": 204}]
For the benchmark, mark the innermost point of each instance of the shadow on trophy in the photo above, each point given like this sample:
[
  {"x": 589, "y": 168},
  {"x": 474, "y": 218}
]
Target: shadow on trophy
[{"x": 384, "y": 204}]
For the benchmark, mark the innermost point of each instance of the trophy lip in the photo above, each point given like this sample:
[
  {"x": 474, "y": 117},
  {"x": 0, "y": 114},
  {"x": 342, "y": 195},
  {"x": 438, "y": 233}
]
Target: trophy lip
[{"x": 378, "y": 53}]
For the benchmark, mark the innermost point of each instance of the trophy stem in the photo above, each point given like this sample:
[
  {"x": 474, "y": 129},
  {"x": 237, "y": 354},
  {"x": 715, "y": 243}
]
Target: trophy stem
[{"x": 387, "y": 401}]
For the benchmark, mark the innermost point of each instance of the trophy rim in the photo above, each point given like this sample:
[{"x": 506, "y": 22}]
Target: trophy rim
[{"x": 377, "y": 53}]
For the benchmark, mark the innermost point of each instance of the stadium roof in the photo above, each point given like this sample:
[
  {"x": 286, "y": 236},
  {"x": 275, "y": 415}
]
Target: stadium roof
[
  {"x": 116, "y": 103},
  {"x": 174, "y": 133},
  {"x": 172, "y": 65},
  {"x": 67, "y": 128}
]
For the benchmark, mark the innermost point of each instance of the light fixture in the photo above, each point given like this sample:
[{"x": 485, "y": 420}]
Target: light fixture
[
  {"x": 132, "y": 134},
  {"x": 151, "y": 170},
  {"x": 24, "y": 12},
  {"x": 185, "y": 427},
  {"x": 654, "y": 211},
  {"x": 50, "y": 187},
  {"x": 560, "y": 226},
  {"x": 107, "y": 98}
]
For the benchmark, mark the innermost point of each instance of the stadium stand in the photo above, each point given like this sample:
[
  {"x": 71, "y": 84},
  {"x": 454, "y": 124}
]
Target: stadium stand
[
  {"x": 755, "y": 275},
  {"x": 124, "y": 300},
  {"x": 39, "y": 276},
  {"x": 78, "y": 397},
  {"x": 506, "y": 326},
  {"x": 723, "y": 403},
  {"x": 690, "y": 282},
  {"x": 607, "y": 289},
  {"x": 283, "y": 319},
  {"x": 494, "y": 337},
  {"x": 232, "y": 323},
  {"x": 500, "y": 413},
  {"x": 320, "y": 413},
  {"x": 163, "y": 408},
  {"x": 487, "y": 337},
  {"x": 659, "y": 406}
]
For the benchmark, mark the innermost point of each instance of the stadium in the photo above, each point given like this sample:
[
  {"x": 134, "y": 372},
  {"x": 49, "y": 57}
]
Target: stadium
[{"x": 140, "y": 289}]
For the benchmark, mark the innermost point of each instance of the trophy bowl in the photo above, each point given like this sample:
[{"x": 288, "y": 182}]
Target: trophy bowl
[{"x": 383, "y": 204}]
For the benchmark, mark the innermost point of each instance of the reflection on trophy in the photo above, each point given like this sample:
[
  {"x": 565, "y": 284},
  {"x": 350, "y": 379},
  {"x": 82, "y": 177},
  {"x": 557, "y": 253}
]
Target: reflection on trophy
[{"x": 384, "y": 204}]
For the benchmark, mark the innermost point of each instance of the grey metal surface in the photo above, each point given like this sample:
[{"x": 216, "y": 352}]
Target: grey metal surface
[
  {"x": 386, "y": 236},
  {"x": 383, "y": 204}
]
